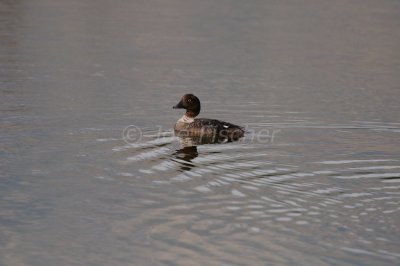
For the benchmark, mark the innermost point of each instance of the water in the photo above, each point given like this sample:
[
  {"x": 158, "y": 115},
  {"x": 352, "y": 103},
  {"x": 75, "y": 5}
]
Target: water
[{"x": 315, "y": 182}]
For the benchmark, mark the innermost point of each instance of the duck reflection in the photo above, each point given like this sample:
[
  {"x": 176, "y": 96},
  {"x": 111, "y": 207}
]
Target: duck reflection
[
  {"x": 185, "y": 156},
  {"x": 188, "y": 150}
]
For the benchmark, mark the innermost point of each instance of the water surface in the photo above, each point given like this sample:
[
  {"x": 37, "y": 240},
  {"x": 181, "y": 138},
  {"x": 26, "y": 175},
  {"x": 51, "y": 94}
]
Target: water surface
[{"x": 315, "y": 181}]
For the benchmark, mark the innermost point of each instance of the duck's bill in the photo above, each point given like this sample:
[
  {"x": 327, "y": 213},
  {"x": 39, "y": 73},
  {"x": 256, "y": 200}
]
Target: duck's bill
[{"x": 178, "y": 106}]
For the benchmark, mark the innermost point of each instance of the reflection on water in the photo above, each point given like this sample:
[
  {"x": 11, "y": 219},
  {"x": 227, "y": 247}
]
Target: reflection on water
[
  {"x": 315, "y": 181},
  {"x": 185, "y": 157}
]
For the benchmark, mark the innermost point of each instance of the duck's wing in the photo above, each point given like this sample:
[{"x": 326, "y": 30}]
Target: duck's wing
[{"x": 214, "y": 123}]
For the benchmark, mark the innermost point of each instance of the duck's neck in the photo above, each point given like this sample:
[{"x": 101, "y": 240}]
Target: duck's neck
[{"x": 186, "y": 119}]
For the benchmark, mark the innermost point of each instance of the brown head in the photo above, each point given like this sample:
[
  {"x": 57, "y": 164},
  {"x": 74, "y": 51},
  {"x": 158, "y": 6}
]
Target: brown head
[{"x": 191, "y": 103}]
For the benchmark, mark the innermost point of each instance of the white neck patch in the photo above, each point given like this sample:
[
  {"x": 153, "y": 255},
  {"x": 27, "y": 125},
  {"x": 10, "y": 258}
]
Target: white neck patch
[{"x": 185, "y": 119}]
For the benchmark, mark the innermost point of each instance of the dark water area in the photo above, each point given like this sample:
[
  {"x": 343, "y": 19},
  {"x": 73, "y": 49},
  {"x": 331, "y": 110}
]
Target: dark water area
[{"x": 316, "y": 180}]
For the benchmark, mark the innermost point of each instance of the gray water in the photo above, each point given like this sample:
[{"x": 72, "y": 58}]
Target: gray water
[{"x": 316, "y": 180}]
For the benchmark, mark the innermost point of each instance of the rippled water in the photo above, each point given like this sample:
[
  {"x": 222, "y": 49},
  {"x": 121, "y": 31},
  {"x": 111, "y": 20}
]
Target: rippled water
[{"x": 316, "y": 180}]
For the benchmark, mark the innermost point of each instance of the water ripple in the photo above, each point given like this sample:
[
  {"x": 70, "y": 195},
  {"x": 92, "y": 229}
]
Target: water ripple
[{"x": 238, "y": 188}]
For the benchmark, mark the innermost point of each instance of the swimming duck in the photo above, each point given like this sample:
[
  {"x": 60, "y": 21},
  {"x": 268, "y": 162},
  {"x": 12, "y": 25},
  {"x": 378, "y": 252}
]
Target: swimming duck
[{"x": 188, "y": 125}]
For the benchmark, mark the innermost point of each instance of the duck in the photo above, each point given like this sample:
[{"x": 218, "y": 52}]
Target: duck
[{"x": 213, "y": 129}]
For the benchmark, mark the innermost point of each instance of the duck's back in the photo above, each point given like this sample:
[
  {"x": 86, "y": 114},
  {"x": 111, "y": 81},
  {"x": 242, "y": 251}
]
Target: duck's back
[{"x": 218, "y": 124}]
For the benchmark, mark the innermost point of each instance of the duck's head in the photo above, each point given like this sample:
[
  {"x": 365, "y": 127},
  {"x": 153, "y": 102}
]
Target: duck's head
[{"x": 191, "y": 103}]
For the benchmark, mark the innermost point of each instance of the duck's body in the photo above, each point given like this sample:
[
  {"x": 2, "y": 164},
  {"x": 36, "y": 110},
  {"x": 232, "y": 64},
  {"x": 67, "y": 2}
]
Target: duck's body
[{"x": 188, "y": 125}]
